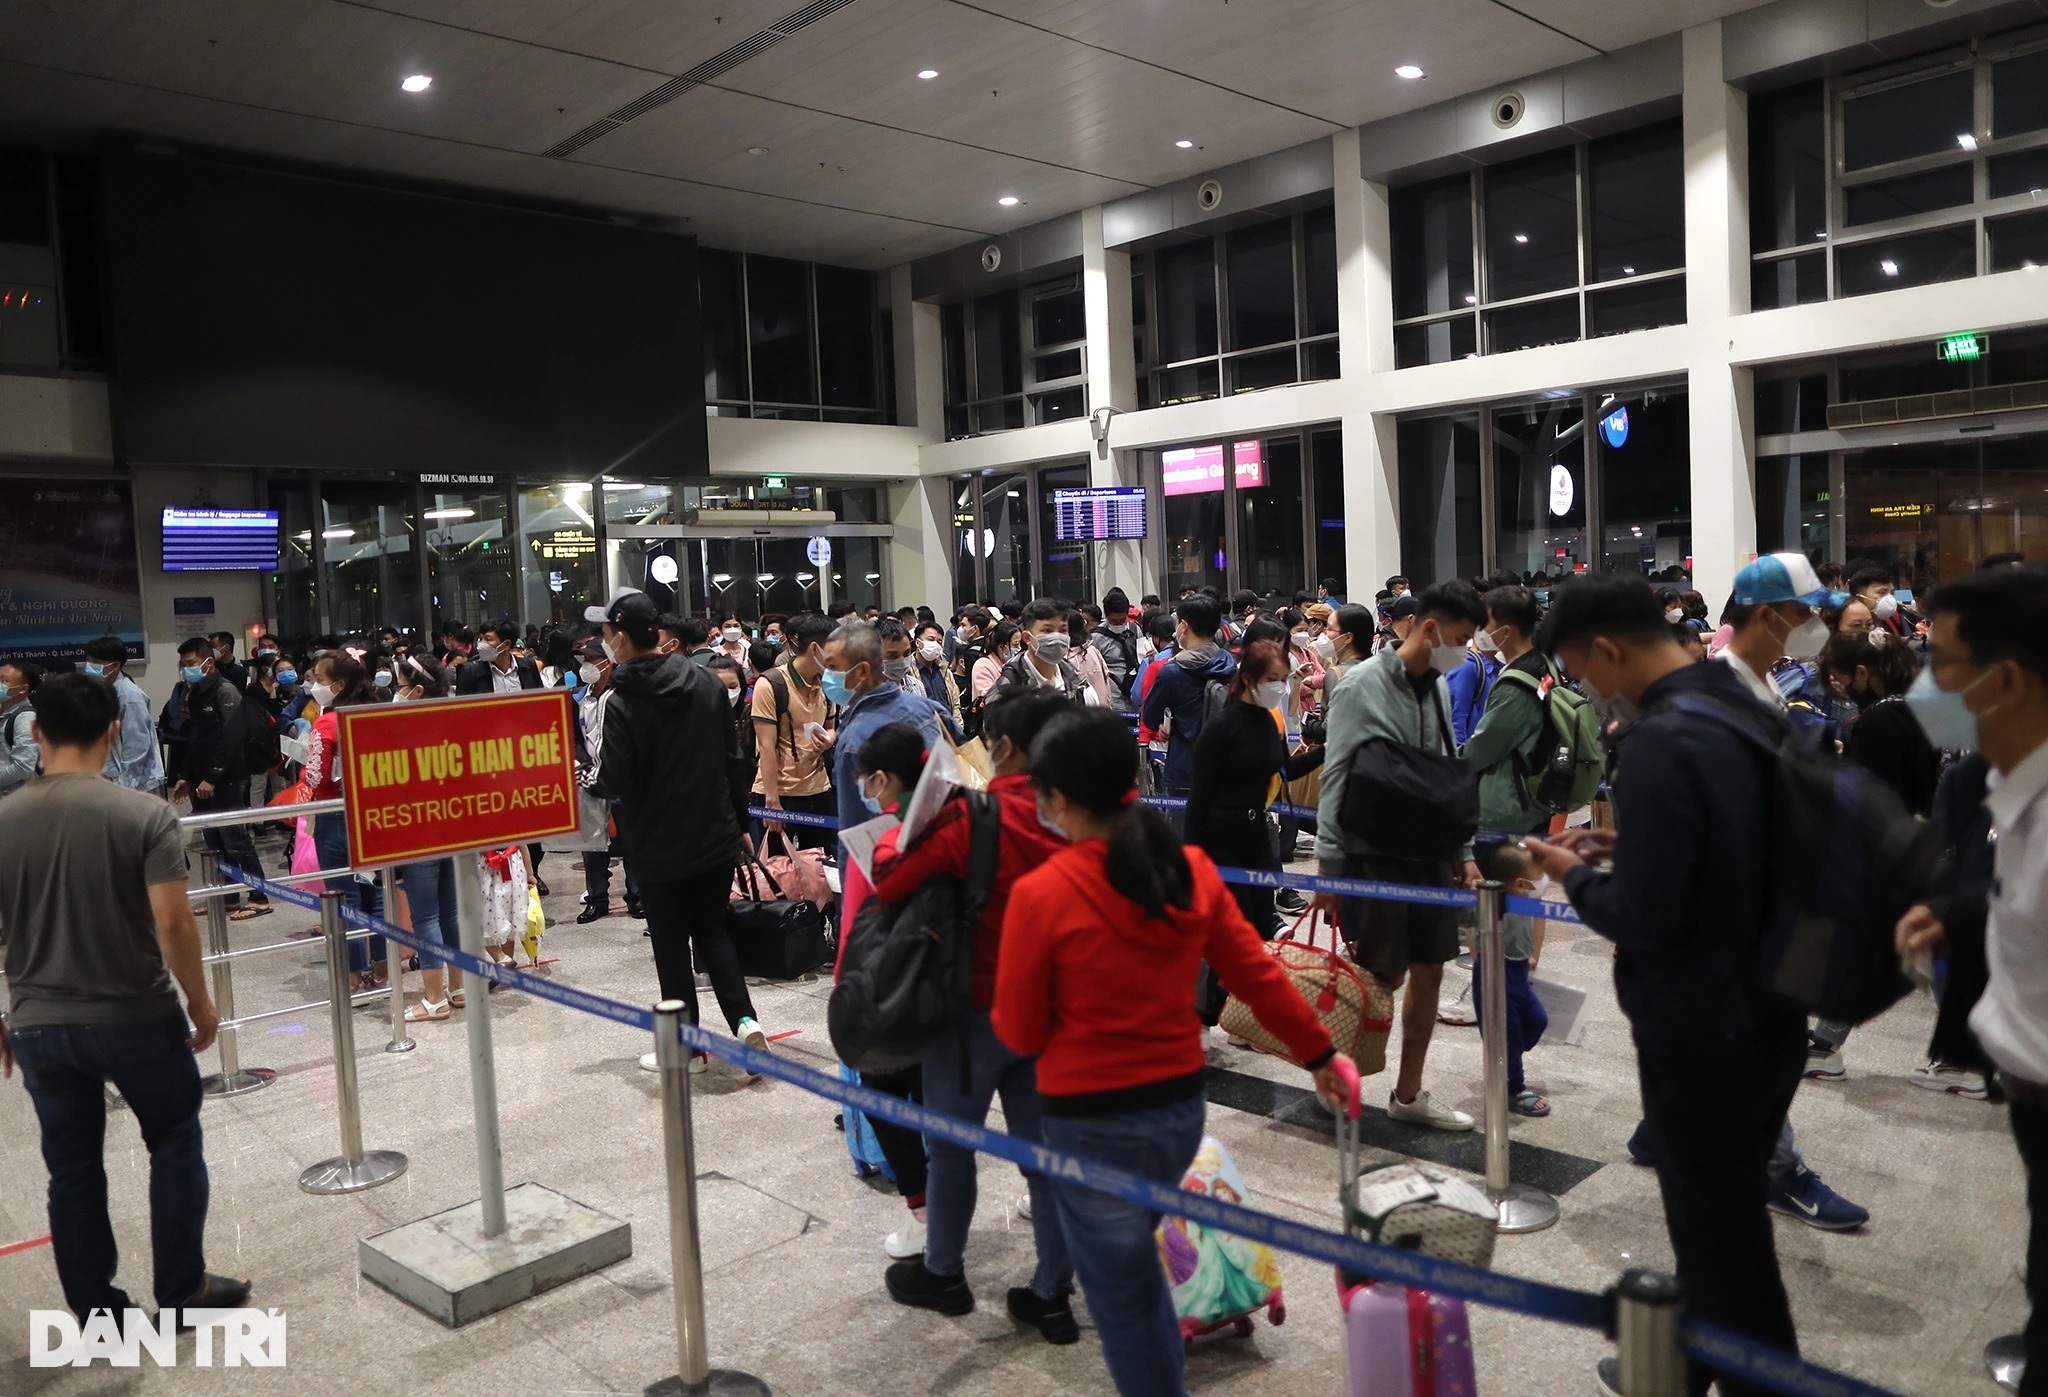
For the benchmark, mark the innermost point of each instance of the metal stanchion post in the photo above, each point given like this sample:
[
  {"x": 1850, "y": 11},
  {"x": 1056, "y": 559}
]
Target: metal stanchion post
[
  {"x": 2005, "y": 1358},
  {"x": 1518, "y": 1207},
  {"x": 352, "y": 1170},
  {"x": 394, "y": 968},
  {"x": 483, "y": 1071},
  {"x": 233, "y": 1079},
  {"x": 1649, "y": 1360},
  {"x": 694, "y": 1373}
]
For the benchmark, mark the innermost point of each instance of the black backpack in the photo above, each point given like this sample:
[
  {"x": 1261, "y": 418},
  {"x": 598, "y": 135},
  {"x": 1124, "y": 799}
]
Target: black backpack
[
  {"x": 1127, "y": 646},
  {"x": 906, "y": 976},
  {"x": 1408, "y": 803},
  {"x": 261, "y": 750},
  {"x": 1846, "y": 862}
]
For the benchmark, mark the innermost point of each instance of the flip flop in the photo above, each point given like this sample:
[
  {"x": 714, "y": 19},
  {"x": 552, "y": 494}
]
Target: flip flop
[{"x": 250, "y": 911}]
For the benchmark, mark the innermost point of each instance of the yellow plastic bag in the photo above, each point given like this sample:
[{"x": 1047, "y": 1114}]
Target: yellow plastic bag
[{"x": 536, "y": 923}]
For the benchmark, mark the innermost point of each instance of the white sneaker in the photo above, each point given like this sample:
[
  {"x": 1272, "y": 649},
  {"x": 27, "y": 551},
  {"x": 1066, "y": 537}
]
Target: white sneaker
[
  {"x": 699, "y": 1064},
  {"x": 751, "y": 1034},
  {"x": 1024, "y": 1206},
  {"x": 648, "y": 1064},
  {"x": 1956, "y": 1081},
  {"x": 1424, "y": 1111},
  {"x": 906, "y": 1241},
  {"x": 1825, "y": 1064}
]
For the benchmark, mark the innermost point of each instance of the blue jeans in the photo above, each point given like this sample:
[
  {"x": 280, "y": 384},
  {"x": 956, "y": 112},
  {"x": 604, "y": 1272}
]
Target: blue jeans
[
  {"x": 1526, "y": 1017},
  {"x": 1113, "y": 1245},
  {"x": 151, "y": 1065},
  {"x": 429, "y": 888},
  {"x": 951, "y": 1186},
  {"x": 330, "y": 846}
]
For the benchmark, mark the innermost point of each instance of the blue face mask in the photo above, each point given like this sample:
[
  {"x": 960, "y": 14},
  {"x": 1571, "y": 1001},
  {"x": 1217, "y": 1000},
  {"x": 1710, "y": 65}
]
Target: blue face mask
[
  {"x": 1943, "y": 716},
  {"x": 775, "y": 640},
  {"x": 383, "y": 678},
  {"x": 97, "y": 671},
  {"x": 192, "y": 674},
  {"x": 286, "y": 678},
  {"x": 833, "y": 682},
  {"x": 874, "y": 806}
]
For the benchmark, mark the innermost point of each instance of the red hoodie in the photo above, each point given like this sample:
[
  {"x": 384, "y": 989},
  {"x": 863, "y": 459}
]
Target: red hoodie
[
  {"x": 1024, "y": 844},
  {"x": 1104, "y": 996}
]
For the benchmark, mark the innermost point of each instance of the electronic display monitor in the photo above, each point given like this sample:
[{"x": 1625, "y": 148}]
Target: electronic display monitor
[
  {"x": 219, "y": 540},
  {"x": 1104, "y": 512}
]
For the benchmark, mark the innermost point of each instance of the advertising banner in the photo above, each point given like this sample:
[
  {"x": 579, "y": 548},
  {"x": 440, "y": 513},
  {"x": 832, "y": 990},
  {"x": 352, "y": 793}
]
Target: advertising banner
[
  {"x": 68, "y": 573},
  {"x": 446, "y": 775},
  {"x": 1196, "y": 470}
]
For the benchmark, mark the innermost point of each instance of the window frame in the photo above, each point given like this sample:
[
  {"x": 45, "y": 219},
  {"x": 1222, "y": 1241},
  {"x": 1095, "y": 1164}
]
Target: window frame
[
  {"x": 753, "y": 406},
  {"x": 972, "y": 407}
]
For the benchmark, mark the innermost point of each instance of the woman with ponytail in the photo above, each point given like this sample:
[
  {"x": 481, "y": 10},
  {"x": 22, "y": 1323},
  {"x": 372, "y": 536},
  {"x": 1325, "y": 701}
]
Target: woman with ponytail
[{"x": 1097, "y": 979}]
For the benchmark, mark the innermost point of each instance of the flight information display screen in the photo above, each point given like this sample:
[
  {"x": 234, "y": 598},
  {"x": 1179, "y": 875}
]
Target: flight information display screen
[
  {"x": 1104, "y": 512},
  {"x": 219, "y": 540}
]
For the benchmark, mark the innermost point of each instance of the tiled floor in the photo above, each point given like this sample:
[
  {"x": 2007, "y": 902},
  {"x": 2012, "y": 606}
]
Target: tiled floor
[{"x": 792, "y": 1241}]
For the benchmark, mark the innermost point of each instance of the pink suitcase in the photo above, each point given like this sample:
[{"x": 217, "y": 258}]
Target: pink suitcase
[{"x": 1406, "y": 1343}]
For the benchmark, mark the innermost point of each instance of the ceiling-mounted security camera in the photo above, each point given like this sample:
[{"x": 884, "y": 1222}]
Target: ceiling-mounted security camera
[
  {"x": 1507, "y": 109},
  {"x": 1098, "y": 423},
  {"x": 1209, "y": 195}
]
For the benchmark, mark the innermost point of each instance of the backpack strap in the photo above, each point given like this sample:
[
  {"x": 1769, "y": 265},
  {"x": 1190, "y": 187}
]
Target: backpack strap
[
  {"x": 1726, "y": 717},
  {"x": 778, "y": 688},
  {"x": 985, "y": 827}
]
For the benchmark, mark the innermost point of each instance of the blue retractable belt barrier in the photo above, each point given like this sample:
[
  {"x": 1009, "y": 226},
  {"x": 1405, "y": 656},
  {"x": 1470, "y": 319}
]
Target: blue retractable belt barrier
[
  {"x": 1711, "y": 1346},
  {"x": 793, "y": 817}
]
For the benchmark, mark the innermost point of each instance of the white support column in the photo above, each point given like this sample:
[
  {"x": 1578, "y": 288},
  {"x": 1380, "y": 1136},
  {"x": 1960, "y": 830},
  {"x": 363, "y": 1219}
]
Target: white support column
[
  {"x": 1113, "y": 383},
  {"x": 920, "y": 550},
  {"x": 1365, "y": 326},
  {"x": 920, "y": 358},
  {"x": 1723, "y": 398}
]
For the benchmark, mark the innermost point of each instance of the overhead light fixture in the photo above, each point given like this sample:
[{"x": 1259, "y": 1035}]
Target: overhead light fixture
[
  {"x": 1410, "y": 72},
  {"x": 1471, "y": 300},
  {"x": 1628, "y": 271},
  {"x": 456, "y": 513},
  {"x": 721, "y": 577},
  {"x": 337, "y": 533},
  {"x": 757, "y": 150},
  {"x": 615, "y": 486},
  {"x": 1967, "y": 141},
  {"x": 764, "y": 577},
  {"x": 1888, "y": 267},
  {"x": 1185, "y": 145},
  {"x": 1522, "y": 238},
  {"x": 928, "y": 73},
  {"x": 1008, "y": 201},
  {"x": 807, "y": 577},
  {"x": 418, "y": 82}
]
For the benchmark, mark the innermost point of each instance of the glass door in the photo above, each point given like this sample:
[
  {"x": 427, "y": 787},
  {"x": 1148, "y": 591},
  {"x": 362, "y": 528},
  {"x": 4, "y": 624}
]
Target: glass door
[
  {"x": 1539, "y": 488},
  {"x": 1069, "y": 571},
  {"x": 558, "y": 553},
  {"x": 470, "y": 563},
  {"x": 369, "y": 576}
]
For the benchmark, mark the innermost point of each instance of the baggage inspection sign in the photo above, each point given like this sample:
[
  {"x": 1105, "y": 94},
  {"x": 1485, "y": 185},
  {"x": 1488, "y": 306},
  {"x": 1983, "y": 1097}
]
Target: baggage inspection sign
[{"x": 445, "y": 775}]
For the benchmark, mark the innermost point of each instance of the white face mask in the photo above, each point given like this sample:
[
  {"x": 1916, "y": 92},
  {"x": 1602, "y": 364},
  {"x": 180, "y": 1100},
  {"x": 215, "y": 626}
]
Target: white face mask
[
  {"x": 1445, "y": 659},
  {"x": 1302, "y": 639},
  {"x": 1806, "y": 639},
  {"x": 1326, "y": 649},
  {"x": 485, "y": 651},
  {"x": 1674, "y": 615},
  {"x": 732, "y": 695},
  {"x": 401, "y": 696},
  {"x": 612, "y": 652},
  {"x": 1484, "y": 643},
  {"x": 1885, "y": 607},
  {"x": 733, "y": 635},
  {"x": 932, "y": 651},
  {"x": 589, "y": 672},
  {"x": 1270, "y": 694},
  {"x": 322, "y": 694}
]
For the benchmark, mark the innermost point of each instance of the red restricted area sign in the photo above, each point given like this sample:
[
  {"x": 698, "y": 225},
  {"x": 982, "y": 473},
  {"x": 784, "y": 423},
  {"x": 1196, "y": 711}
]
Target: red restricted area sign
[{"x": 445, "y": 775}]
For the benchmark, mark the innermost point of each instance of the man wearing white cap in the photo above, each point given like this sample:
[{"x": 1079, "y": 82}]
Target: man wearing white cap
[{"x": 1774, "y": 617}]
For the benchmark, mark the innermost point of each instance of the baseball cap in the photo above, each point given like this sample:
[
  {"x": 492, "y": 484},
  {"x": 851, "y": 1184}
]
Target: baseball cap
[
  {"x": 1409, "y": 605},
  {"x": 1783, "y": 577},
  {"x": 599, "y": 614}
]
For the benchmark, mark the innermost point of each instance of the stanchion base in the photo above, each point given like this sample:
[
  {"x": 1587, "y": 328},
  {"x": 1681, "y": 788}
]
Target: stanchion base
[
  {"x": 445, "y": 1266},
  {"x": 402, "y": 1045},
  {"x": 721, "y": 1382},
  {"x": 2005, "y": 1358},
  {"x": 247, "y": 1080},
  {"x": 337, "y": 1175},
  {"x": 1524, "y": 1209}
]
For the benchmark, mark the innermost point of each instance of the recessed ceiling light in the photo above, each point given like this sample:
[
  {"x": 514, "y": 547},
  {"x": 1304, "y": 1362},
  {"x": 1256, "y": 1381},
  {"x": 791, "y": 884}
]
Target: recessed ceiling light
[
  {"x": 1521, "y": 237},
  {"x": 1185, "y": 145},
  {"x": 928, "y": 73},
  {"x": 1967, "y": 141},
  {"x": 337, "y": 533},
  {"x": 1410, "y": 72},
  {"x": 1888, "y": 267},
  {"x": 418, "y": 82},
  {"x": 757, "y": 150},
  {"x": 1008, "y": 201},
  {"x": 1628, "y": 271},
  {"x": 452, "y": 513},
  {"x": 1471, "y": 300}
]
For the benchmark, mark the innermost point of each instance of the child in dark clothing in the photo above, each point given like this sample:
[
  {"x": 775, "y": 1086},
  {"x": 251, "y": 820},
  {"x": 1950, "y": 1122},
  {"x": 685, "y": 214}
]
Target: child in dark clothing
[{"x": 1526, "y": 1017}]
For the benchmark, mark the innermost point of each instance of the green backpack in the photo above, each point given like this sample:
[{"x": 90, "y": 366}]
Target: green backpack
[{"x": 1563, "y": 772}]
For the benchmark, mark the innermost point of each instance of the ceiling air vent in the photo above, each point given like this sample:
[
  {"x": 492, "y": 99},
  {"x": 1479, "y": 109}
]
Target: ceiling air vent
[
  {"x": 991, "y": 258},
  {"x": 1507, "y": 109},
  {"x": 1932, "y": 407},
  {"x": 1209, "y": 196}
]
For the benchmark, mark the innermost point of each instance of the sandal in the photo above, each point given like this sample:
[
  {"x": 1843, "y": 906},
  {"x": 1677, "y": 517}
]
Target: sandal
[
  {"x": 1528, "y": 1103},
  {"x": 455, "y": 999},
  {"x": 250, "y": 910},
  {"x": 426, "y": 1011}
]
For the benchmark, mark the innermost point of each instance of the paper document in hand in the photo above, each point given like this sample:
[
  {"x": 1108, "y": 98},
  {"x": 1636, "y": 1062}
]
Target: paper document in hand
[
  {"x": 294, "y": 748},
  {"x": 860, "y": 842},
  {"x": 1566, "y": 1005},
  {"x": 934, "y": 787}
]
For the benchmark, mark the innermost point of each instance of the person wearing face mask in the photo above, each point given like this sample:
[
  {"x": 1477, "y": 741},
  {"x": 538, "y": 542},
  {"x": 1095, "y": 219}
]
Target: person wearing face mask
[
  {"x": 666, "y": 755},
  {"x": 223, "y": 644},
  {"x": 1773, "y": 615},
  {"x": 338, "y": 680},
  {"x": 934, "y": 676},
  {"x": 1471, "y": 683},
  {"x": 215, "y": 773},
  {"x": 793, "y": 722},
  {"x": 1241, "y": 764},
  {"x": 964, "y": 1073},
  {"x": 1685, "y": 902},
  {"x": 496, "y": 670},
  {"x": 1874, "y": 671},
  {"x": 1119, "y": 641},
  {"x": 727, "y": 672},
  {"x": 997, "y": 649},
  {"x": 1399, "y": 696},
  {"x": 18, "y": 756},
  {"x": 594, "y": 669},
  {"x": 136, "y": 759},
  {"x": 1874, "y": 587},
  {"x": 1508, "y": 741},
  {"x": 853, "y": 679},
  {"x": 1182, "y": 687},
  {"x": 427, "y": 904},
  {"x": 732, "y": 644},
  {"x": 1043, "y": 662},
  {"x": 899, "y": 664},
  {"x": 774, "y": 630},
  {"x": 1088, "y": 661},
  {"x": 1349, "y": 641}
]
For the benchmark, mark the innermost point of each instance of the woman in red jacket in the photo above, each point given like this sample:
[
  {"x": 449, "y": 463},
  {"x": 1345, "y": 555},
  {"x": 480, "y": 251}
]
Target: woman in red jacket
[{"x": 1097, "y": 979}]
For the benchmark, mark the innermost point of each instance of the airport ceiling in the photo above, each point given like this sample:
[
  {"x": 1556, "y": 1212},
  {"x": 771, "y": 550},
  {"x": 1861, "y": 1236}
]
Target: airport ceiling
[{"x": 804, "y": 132}]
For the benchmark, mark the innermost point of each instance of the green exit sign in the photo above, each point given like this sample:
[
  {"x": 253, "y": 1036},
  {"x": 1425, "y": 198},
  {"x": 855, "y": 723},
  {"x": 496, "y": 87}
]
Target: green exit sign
[
  {"x": 775, "y": 482},
  {"x": 1961, "y": 349}
]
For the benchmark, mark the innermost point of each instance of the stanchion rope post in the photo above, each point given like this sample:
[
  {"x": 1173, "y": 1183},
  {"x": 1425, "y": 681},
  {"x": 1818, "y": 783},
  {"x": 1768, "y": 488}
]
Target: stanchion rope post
[
  {"x": 394, "y": 968},
  {"x": 1517, "y": 1207},
  {"x": 233, "y": 1079},
  {"x": 353, "y": 1170}
]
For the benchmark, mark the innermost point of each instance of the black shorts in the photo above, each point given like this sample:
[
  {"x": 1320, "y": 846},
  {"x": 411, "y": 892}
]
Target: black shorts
[{"x": 1387, "y": 937}]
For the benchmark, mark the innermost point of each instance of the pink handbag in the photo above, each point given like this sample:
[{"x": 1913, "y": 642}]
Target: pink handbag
[{"x": 799, "y": 874}]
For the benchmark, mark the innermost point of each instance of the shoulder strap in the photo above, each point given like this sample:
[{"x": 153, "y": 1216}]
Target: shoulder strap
[
  {"x": 985, "y": 827},
  {"x": 778, "y": 687},
  {"x": 1443, "y": 713},
  {"x": 1714, "y": 711}
]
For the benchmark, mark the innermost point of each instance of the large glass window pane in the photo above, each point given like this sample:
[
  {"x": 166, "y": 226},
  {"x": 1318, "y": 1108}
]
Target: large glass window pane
[
  {"x": 1004, "y": 416},
  {"x": 1898, "y": 123},
  {"x": 1787, "y": 172},
  {"x": 1269, "y": 370},
  {"x": 970, "y": 545},
  {"x": 1539, "y": 488},
  {"x": 1638, "y": 199},
  {"x": 1624, "y": 308},
  {"x": 1320, "y": 360},
  {"x": 1789, "y": 281},
  {"x": 1059, "y": 318},
  {"x": 1937, "y": 510},
  {"x": 471, "y": 560},
  {"x": 2019, "y": 241},
  {"x": 1192, "y": 518},
  {"x": 1271, "y": 557},
  {"x": 1792, "y": 505},
  {"x": 998, "y": 355},
  {"x": 295, "y": 607},
  {"x": 1436, "y": 342},
  {"x": 1912, "y": 259},
  {"x": 371, "y": 577},
  {"x": 2024, "y": 172},
  {"x": 559, "y": 551},
  {"x": 1645, "y": 483},
  {"x": 846, "y": 337},
  {"x": 1187, "y": 302},
  {"x": 1908, "y": 195},
  {"x": 1259, "y": 263},
  {"x": 1051, "y": 368},
  {"x": 779, "y": 330},
  {"x": 1525, "y": 327},
  {"x": 1188, "y": 384},
  {"x": 1792, "y": 405},
  {"x": 2019, "y": 94},
  {"x": 28, "y": 266},
  {"x": 953, "y": 348},
  {"x": 1068, "y": 572},
  {"x": 725, "y": 324},
  {"x": 1432, "y": 233},
  {"x": 1532, "y": 226},
  {"x": 857, "y": 571},
  {"x": 785, "y": 580},
  {"x": 1006, "y": 518},
  {"x": 1059, "y": 405},
  {"x": 1319, "y": 253},
  {"x": 1440, "y": 506},
  {"x": 1326, "y": 452}
]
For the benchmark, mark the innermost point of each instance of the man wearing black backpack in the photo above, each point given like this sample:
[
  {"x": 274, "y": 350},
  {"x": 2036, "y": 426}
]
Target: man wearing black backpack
[
  {"x": 215, "y": 769},
  {"x": 1117, "y": 641},
  {"x": 1686, "y": 903}
]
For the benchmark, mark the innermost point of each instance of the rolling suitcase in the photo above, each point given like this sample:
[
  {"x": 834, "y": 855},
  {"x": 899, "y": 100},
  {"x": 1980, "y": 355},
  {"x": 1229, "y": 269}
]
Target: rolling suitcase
[
  {"x": 1219, "y": 1281},
  {"x": 1402, "y": 1342}
]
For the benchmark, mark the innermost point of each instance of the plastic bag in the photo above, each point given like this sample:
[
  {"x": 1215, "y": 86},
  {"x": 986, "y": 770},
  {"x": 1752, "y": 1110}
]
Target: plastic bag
[{"x": 536, "y": 923}]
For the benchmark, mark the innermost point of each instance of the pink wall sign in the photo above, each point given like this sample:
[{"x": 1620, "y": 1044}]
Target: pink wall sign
[{"x": 1195, "y": 470}]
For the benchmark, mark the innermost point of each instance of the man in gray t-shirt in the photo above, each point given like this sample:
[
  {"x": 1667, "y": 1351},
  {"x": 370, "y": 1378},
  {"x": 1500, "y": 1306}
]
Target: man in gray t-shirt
[{"x": 92, "y": 893}]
